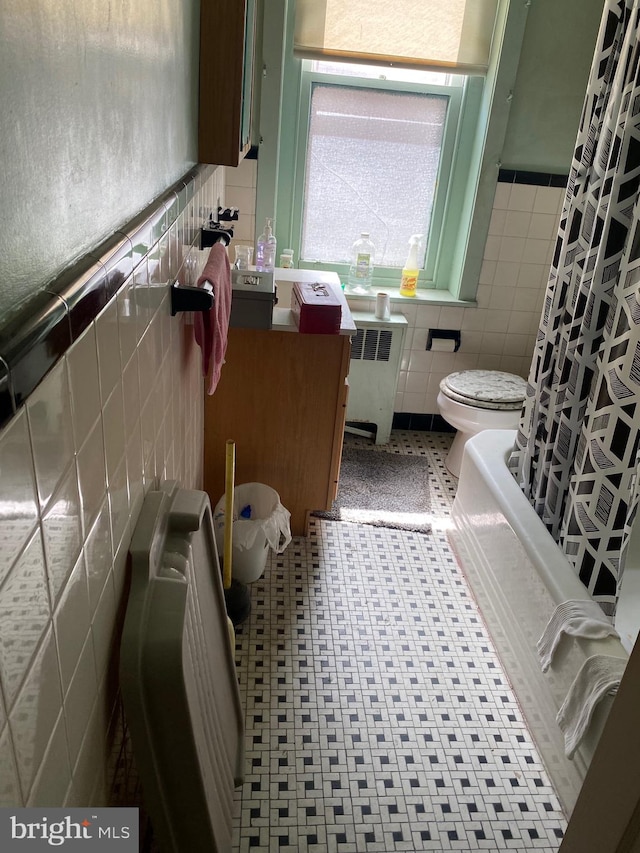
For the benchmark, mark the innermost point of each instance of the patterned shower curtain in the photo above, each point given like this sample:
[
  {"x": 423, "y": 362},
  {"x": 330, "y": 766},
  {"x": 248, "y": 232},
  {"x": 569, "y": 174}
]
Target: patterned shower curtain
[{"x": 576, "y": 452}]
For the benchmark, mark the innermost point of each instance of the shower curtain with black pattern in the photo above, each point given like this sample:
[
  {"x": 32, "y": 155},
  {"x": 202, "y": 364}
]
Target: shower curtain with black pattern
[{"x": 576, "y": 451}]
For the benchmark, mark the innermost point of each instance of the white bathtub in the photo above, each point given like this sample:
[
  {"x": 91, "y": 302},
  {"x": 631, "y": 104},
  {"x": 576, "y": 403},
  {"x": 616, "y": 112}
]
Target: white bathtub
[{"x": 518, "y": 576}]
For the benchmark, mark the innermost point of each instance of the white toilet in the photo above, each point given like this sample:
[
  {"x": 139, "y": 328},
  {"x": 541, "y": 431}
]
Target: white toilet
[{"x": 473, "y": 400}]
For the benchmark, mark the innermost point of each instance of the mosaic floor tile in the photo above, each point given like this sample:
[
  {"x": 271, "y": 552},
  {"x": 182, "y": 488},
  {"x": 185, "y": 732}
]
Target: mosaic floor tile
[{"x": 378, "y": 716}]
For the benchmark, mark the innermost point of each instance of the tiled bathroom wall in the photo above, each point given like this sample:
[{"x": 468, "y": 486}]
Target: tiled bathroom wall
[
  {"x": 241, "y": 193},
  {"x": 121, "y": 410},
  {"x": 498, "y": 332}
]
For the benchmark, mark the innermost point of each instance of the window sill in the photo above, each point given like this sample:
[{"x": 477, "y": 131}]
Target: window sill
[
  {"x": 423, "y": 296},
  {"x": 366, "y": 301}
]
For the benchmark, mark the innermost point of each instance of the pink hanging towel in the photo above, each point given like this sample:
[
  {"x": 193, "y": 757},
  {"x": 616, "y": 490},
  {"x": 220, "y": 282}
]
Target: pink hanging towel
[{"x": 211, "y": 327}]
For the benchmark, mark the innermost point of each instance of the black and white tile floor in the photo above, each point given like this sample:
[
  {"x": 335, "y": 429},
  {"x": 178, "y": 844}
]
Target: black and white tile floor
[{"x": 378, "y": 717}]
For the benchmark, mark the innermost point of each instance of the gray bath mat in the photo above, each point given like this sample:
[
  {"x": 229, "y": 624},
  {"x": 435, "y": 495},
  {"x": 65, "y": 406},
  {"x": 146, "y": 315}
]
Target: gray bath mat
[{"x": 383, "y": 489}]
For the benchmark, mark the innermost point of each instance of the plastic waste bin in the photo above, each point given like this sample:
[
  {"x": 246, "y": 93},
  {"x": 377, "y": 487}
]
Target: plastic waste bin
[{"x": 260, "y": 522}]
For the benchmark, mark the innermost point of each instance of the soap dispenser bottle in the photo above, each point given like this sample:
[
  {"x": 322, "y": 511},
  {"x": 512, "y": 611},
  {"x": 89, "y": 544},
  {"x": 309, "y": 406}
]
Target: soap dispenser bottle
[
  {"x": 410, "y": 271},
  {"x": 266, "y": 249}
]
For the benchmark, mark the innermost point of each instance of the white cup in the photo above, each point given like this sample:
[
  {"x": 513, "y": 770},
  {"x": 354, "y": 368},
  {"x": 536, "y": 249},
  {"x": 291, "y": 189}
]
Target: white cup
[
  {"x": 244, "y": 256},
  {"x": 383, "y": 306}
]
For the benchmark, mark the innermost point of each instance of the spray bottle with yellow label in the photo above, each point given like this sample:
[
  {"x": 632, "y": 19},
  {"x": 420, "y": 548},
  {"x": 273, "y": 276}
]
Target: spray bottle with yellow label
[{"x": 410, "y": 270}]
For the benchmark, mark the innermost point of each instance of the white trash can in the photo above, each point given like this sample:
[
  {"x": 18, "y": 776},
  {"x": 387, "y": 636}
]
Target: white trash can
[{"x": 260, "y": 522}]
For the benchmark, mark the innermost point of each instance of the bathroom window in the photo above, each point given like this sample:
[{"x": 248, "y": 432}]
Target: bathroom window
[
  {"x": 372, "y": 164},
  {"x": 319, "y": 112},
  {"x": 376, "y": 153}
]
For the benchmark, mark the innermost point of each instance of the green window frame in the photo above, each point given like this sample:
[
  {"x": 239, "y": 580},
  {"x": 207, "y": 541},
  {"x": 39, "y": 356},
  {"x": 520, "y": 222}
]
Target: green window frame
[
  {"x": 446, "y": 208},
  {"x": 479, "y": 136}
]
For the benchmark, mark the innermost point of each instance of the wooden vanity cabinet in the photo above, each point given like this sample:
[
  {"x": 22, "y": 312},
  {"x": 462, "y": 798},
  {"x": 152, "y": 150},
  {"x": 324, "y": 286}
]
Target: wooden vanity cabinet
[
  {"x": 282, "y": 398},
  {"x": 227, "y": 44}
]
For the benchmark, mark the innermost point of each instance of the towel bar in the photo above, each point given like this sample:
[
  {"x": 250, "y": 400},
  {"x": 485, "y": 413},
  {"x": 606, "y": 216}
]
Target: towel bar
[
  {"x": 214, "y": 231},
  {"x": 187, "y": 298}
]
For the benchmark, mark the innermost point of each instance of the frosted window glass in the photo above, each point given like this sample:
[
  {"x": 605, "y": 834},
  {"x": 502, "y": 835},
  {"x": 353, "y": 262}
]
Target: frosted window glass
[{"x": 372, "y": 165}]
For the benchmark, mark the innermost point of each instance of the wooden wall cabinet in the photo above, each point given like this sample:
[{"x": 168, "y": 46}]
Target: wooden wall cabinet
[
  {"x": 282, "y": 397},
  {"x": 227, "y": 45}
]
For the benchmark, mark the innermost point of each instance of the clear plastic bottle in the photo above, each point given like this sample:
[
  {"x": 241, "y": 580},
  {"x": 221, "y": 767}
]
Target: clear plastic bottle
[
  {"x": 266, "y": 249},
  {"x": 361, "y": 268},
  {"x": 410, "y": 271}
]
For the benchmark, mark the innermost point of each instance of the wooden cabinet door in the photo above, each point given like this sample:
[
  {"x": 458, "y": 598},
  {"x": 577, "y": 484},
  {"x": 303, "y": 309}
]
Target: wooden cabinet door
[
  {"x": 227, "y": 43},
  {"x": 282, "y": 399}
]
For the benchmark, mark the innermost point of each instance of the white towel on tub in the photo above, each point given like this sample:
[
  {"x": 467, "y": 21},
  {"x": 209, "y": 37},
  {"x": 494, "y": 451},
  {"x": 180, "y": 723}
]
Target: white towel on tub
[
  {"x": 578, "y": 619},
  {"x": 598, "y": 676}
]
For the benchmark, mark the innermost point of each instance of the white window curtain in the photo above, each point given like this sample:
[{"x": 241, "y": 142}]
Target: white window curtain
[{"x": 445, "y": 35}]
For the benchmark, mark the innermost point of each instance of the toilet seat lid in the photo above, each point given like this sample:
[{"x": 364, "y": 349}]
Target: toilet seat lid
[{"x": 487, "y": 389}]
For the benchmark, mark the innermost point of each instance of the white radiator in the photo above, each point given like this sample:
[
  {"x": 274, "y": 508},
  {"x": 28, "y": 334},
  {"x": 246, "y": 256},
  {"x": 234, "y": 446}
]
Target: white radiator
[{"x": 376, "y": 351}]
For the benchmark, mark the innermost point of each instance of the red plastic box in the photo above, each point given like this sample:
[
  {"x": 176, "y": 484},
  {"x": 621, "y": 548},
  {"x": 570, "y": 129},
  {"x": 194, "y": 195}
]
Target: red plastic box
[{"x": 317, "y": 308}]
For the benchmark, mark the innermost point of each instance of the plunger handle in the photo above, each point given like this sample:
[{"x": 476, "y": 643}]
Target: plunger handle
[{"x": 229, "y": 477}]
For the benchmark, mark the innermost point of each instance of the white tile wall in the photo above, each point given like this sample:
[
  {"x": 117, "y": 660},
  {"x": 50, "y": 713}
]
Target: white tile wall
[
  {"x": 121, "y": 411},
  {"x": 241, "y": 193},
  {"x": 498, "y": 333}
]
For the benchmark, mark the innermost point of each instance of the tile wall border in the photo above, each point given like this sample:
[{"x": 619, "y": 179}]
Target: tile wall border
[{"x": 41, "y": 331}]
